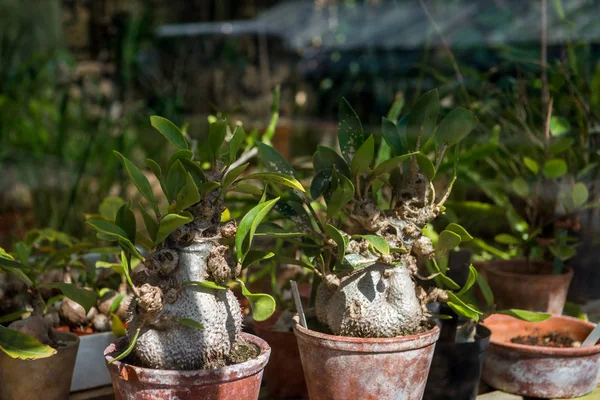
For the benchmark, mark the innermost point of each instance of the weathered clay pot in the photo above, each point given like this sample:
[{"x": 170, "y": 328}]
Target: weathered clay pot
[
  {"x": 456, "y": 368},
  {"x": 527, "y": 285},
  {"x": 48, "y": 378},
  {"x": 535, "y": 371},
  {"x": 284, "y": 376},
  {"x": 235, "y": 382},
  {"x": 341, "y": 368}
]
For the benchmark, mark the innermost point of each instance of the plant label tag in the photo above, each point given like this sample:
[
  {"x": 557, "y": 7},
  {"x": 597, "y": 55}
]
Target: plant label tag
[
  {"x": 592, "y": 337},
  {"x": 298, "y": 302}
]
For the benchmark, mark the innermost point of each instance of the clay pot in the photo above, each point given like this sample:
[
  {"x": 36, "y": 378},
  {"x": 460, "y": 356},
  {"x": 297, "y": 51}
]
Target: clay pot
[
  {"x": 341, "y": 368},
  {"x": 456, "y": 368},
  {"x": 235, "y": 382},
  {"x": 536, "y": 371},
  {"x": 284, "y": 376},
  {"x": 48, "y": 377},
  {"x": 527, "y": 285}
]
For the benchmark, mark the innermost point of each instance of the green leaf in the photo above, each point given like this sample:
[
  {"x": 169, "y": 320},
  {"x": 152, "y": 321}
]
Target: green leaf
[
  {"x": 342, "y": 195},
  {"x": 559, "y": 126},
  {"x": 256, "y": 256},
  {"x": 455, "y": 126},
  {"x": 208, "y": 187},
  {"x": 505, "y": 238},
  {"x": 188, "y": 195},
  {"x": 118, "y": 329},
  {"x": 580, "y": 194},
  {"x": 426, "y": 166},
  {"x": 84, "y": 297},
  {"x": 156, "y": 170},
  {"x": 179, "y": 155},
  {"x": 274, "y": 161},
  {"x": 320, "y": 183},
  {"x": 13, "y": 316},
  {"x": 563, "y": 252},
  {"x": 530, "y": 316},
  {"x": 116, "y": 303},
  {"x": 248, "y": 225},
  {"x": 191, "y": 323},
  {"x": 462, "y": 308},
  {"x": 446, "y": 281},
  {"x": 246, "y": 188},
  {"x": 238, "y": 138},
  {"x": 150, "y": 222},
  {"x": 263, "y": 305},
  {"x": 422, "y": 118},
  {"x": 325, "y": 158},
  {"x": 350, "y": 131},
  {"x": 273, "y": 177},
  {"x": 394, "y": 137},
  {"x": 17, "y": 272},
  {"x": 361, "y": 162},
  {"x": 139, "y": 180},
  {"x": 169, "y": 131},
  {"x": 379, "y": 243},
  {"x": 129, "y": 348},
  {"x": 23, "y": 252},
  {"x": 520, "y": 187},
  {"x": 471, "y": 279},
  {"x": 339, "y": 240},
  {"x": 207, "y": 285},
  {"x": 110, "y": 231},
  {"x": 531, "y": 165},
  {"x": 193, "y": 168},
  {"x": 555, "y": 168},
  {"x": 561, "y": 144},
  {"x": 388, "y": 165},
  {"x": 460, "y": 231},
  {"x": 126, "y": 221},
  {"x": 110, "y": 207},
  {"x": 294, "y": 211},
  {"x": 216, "y": 135},
  {"x": 233, "y": 174},
  {"x": 22, "y": 346},
  {"x": 169, "y": 223},
  {"x": 176, "y": 179},
  {"x": 448, "y": 240},
  {"x": 488, "y": 295}
]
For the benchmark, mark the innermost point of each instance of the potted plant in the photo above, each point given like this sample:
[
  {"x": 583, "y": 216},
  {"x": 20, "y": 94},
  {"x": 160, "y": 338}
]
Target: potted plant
[
  {"x": 35, "y": 358},
  {"x": 370, "y": 307},
  {"x": 184, "y": 332}
]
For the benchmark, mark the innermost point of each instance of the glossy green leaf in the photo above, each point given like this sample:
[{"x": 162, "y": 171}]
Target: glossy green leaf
[
  {"x": 388, "y": 165},
  {"x": 13, "y": 316},
  {"x": 426, "y": 166},
  {"x": 150, "y": 222},
  {"x": 455, "y": 126},
  {"x": 110, "y": 231},
  {"x": 236, "y": 142},
  {"x": 176, "y": 179},
  {"x": 118, "y": 329},
  {"x": 320, "y": 183},
  {"x": 126, "y": 221},
  {"x": 342, "y": 195},
  {"x": 274, "y": 161},
  {"x": 169, "y": 223},
  {"x": 179, "y": 155},
  {"x": 207, "y": 285},
  {"x": 563, "y": 252},
  {"x": 462, "y": 308},
  {"x": 188, "y": 195},
  {"x": 555, "y": 168},
  {"x": 169, "y": 131},
  {"x": 325, "y": 158},
  {"x": 559, "y": 126},
  {"x": 256, "y": 256},
  {"x": 350, "y": 131},
  {"x": 84, "y": 297},
  {"x": 471, "y": 279},
  {"x": 22, "y": 346},
  {"x": 339, "y": 239},
  {"x": 460, "y": 231},
  {"x": 448, "y": 240},
  {"x": 531, "y": 165},
  {"x": 129, "y": 348},
  {"x": 273, "y": 177},
  {"x": 520, "y": 187},
  {"x": 488, "y": 295},
  {"x": 110, "y": 207},
  {"x": 505, "y": 238},
  {"x": 580, "y": 194},
  {"x": 378, "y": 243},
  {"x": 246, "y": 188},
  {"x": 263, "y": 305},
  {"x": 248, "y": 225},
  {"x": 216, "y": 135},
  {"x": 394, "y": 137},
  {"x": 361, "y": 162},
  {"x": 7, "y": 266},
  {"x": 116, "y": 303},
  {"x": 294, "y": 211},
  {"x": 139, "y": 179},
  {"x": 191, "y": 323},
  {"x": 561, "y": 144},
  {"x": 209, "y": 186},
  {"x": 422, "y": 118},
  {"x": 530, "y": 316},
  {"x": 157, "y": 171},
  {"x": 233, "y": 174},
  {"x": 193, "y": 168}
]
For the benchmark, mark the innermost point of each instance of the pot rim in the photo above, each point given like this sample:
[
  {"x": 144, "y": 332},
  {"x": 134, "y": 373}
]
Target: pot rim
[
  {"x": 71, "y": 338},
  {"x": 366, "y": 345},
  {"x": 541, "y": 350},
  {"x": 199, "y": 377},
  {"x": 497, "y": 267}
]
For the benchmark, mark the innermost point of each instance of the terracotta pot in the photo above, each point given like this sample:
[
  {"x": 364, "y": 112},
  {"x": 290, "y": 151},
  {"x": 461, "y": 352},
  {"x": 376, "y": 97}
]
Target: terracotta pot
[
  {"x": 456, "y": 368},
  {"x": 341, "y": 368},
  {"x": 527, "y": 285},
  {"x": 234, "y": 382},
  {"x": 284, "y": 376},
  {"x": 535, "y": 371},
  {"x": 48, "y": 378}
]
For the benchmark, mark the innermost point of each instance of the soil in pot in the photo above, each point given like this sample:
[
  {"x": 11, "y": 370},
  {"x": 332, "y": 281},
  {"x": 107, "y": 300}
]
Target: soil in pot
[
  {"x": 28, "y": 379},
  {"x": 549, "y": 340},
  {"x": 239, "y": 381},
  {"x": 528, "y": 285}
]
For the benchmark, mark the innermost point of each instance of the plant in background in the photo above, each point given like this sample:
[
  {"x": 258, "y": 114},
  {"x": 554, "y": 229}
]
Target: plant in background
[
  {"x": 183, "y": 315},
  {"x": 39, "y": 253},
  {"x": 366, "y": 243}
]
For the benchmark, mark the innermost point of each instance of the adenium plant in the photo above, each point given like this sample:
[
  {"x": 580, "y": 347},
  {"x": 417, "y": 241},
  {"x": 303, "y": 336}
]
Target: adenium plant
[
  {"x": 41, "y": 251},
  {"x": 184, "y": 316}
]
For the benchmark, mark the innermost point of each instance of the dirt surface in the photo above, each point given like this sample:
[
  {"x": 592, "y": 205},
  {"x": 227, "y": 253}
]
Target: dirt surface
[
  {"x": 551, "y": 340},
  {"x": 243, "y": 352}
]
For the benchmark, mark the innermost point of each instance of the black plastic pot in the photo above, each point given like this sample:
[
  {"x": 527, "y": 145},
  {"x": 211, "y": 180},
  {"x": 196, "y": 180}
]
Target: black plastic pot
[{"x": 456, "y": 368}]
